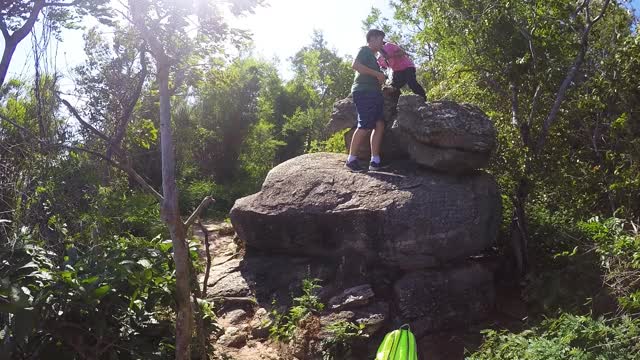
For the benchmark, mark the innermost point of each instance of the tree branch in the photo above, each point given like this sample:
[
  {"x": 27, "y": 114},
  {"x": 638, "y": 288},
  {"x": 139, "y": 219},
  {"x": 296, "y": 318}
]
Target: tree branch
[
  {"x": 121, "y": 130},
  {"x": 130, "y": 171},
  {"x": 61, "y": 4},
  {"x": 515, "y": 108},
  {"x": 207, "y": 269},
  {"x": 75, "y": 114},
  {"x": 25, "y": 29},
  {"x": 138, "y": 21},
  {"x": 525, "y": 132},
  {"x": 604, "y": 8},
  {"x": 5, "y": 30},
  {"x": 20, "y": 127},
  {"x": 553, "y": 113},
  {"x": 205, "y": 202}
]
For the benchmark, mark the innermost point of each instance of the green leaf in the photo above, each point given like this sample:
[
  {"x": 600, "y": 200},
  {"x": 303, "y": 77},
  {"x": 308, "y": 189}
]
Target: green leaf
[
  {"x": 101, "y": 291},
  {"x": 90, "y": 280},
  {"x": 145, "y": 263}
]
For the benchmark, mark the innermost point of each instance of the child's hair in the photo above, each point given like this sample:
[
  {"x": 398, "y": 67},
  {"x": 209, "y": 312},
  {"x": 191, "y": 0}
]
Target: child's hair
[{"x": 374, "y": 33}]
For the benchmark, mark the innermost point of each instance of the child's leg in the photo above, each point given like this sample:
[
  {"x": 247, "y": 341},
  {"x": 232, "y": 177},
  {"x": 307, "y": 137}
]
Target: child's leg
[
  {"x": 376, "y": 138},
  {"x": 413, "y": 83},
  {"x": 399, "y": 79}
]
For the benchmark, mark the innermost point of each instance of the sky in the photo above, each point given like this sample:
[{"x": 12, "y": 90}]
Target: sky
[
  {"x": 285, "y": 26},
  {"x": 279, "y": 30}
]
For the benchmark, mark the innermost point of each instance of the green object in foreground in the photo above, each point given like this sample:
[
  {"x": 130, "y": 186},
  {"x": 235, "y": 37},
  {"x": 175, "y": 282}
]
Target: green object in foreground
[{"x": 398, "y": 345}]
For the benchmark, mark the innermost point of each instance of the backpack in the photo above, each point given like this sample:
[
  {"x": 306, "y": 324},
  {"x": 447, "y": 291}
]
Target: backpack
[{"x": 399, "y": 344}]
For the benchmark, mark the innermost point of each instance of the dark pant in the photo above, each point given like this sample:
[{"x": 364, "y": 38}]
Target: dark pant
[
  {"x": 369, "y": 105},
  {"x": 408, "y": 77}
]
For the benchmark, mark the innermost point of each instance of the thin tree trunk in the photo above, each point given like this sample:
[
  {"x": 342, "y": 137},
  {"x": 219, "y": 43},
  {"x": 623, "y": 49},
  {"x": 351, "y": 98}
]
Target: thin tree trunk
[
  {"x": 7, "y": 54},
  {"x": 568, "y": 80},
  {"x": 11, "y": 41},
  {"x": 200, "y": 328},
  {"x": 123, "y": 124},
  {"x": 519, "y": 229},
  {"x": 171, "y": 216},
  {"x": 519, "y": 234},
  {"x": 207, "y": 269}
]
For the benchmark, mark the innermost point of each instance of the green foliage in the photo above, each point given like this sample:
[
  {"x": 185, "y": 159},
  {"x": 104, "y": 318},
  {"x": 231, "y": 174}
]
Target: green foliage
[
  {"x": 334, "y": 144},
  {"x": 192, "y": 193},
  {"x": 566, "y": 337},
  {"x": 566, "y": 272},
  {"x": 259, "y": 151},
  {"x": 223, "y": 135},
  {"x": 342, "y": 334},
  {"x": 618, "y": 244},
  {"x": 114, "y": 211},
  {"x": 112, "y": 298},
  {"x": 321, "y": 78},
  {"x": 284, "y": 324},
  {"x": 66, "y": 14}
]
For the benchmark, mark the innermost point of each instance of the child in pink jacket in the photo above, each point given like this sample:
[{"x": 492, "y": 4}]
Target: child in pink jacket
[{"x": 404, "y": 71}]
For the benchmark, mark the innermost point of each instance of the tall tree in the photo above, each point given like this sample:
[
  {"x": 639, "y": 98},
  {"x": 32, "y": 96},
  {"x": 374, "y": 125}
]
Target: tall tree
[
  {"x": 528, "y": 55},
  {"x": 321, "y": 78},
  {"x": 164, "y": 26},
  {"x": 18, "y": 18}
]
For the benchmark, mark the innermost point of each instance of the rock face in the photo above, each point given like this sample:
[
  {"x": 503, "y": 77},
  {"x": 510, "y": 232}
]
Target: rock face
[
  {"x": 410, "y": 219},
  {"x": 445, "y": 298},
  {"x": 390, "y": 247},
  {"x": 446, "y": 136}
]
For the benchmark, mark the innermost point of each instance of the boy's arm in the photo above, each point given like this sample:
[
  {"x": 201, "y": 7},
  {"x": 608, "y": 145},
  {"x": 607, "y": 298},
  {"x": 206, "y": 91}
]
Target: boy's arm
[{"x": 363, "y": 69}]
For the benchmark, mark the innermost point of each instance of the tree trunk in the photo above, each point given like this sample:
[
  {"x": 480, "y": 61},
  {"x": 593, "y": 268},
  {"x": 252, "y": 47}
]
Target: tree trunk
[
  {"x": 7, "y": 54},
  {"x": 519, "y": 230},
  {"x": 171, "y": 216},
  {"x": 11, "y": 41}
]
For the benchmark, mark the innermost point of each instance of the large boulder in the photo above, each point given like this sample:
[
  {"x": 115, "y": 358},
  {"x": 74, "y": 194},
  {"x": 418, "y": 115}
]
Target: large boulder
[
  {"x": 438, "y": 299},
  {"x": 444, "y": 135},
  {"x": 410, "y": 218}
]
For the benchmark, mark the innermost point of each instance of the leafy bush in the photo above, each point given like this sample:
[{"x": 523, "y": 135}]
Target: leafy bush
[
  {"x": 567, "y": 337},
  {"x": 191, "y": 194},
  {"x": 284, "y": 324},
  {"x": 618, "y": 244},
  {"x": 342, "y": 335},
  {"x": 335, "y": 143},
  {"x": 565, "y": 271},
  {"x": 115, "y": 211},
  {"x": 109, "y": 300}
]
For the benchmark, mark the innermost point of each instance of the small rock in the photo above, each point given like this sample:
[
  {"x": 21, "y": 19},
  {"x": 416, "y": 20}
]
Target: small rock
[
  {"x": 227, "y": 280},
  {"x": 260, "y": 324},
  {"x": 226, "y": 230},
  {"x": 327, "y": 320},
  {"x": 373, "y": 317},
  {"x": 353, "y": 297},
  {"x": 305, "y": 339},
  {"x": 235, "y": 316},
  {"x": 233, "y": 338}
]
